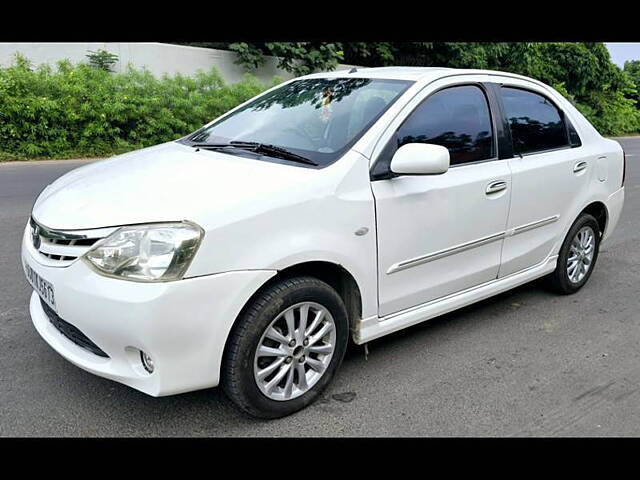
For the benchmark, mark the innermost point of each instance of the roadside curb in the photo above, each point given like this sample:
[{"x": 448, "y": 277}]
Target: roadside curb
[
  {"x": 624, "y": 138},
  {"x": 58, "y": 160}
]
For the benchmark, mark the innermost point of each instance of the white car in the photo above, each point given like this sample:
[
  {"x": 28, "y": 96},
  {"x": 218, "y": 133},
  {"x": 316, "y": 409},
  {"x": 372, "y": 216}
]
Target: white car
[{"x": 344, "y": 204}]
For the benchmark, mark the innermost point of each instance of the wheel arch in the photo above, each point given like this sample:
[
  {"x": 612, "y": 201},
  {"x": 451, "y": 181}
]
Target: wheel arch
[
  {"x": 335, "y": 275},
  {"x": 599, "y": 211}
]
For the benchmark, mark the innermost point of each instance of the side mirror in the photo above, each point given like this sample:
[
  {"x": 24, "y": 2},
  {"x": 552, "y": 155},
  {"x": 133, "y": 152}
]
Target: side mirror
[{"x": 420, "y": 159}]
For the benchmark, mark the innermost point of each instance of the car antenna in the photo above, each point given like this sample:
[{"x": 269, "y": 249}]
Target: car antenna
[{"x": 353, "y": 70}]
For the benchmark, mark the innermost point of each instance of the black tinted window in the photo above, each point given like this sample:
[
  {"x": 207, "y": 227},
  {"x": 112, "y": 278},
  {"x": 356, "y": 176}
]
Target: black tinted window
[
  {"x": 535, "y": 122},
  {"x": 457, "y": 118},
  {"x": 574, "y": 138}
]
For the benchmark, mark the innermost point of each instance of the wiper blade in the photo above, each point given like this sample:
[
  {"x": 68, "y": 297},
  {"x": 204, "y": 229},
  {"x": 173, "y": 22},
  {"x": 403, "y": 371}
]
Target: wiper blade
[
  {"x": 257, "y": 147},
  {"x": 212, "y": 146},
  {"x": 273, "y": 150}
]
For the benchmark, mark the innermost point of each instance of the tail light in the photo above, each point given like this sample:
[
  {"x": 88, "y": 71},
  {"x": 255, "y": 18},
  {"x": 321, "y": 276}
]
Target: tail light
[{"x": 624, "y": 167}]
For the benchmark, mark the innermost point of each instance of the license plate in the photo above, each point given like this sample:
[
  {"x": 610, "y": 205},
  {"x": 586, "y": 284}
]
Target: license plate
[{"x": 40, "y": 285}]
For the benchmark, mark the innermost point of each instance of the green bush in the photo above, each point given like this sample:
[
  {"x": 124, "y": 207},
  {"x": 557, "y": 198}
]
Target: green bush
[
  {"x": 611, "y": 113},
  {"x": 86, "y": 111}
]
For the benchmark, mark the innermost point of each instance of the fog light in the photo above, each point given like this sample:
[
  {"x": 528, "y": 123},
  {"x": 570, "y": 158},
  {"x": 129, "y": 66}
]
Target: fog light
[{"x": 147, "y": 362}]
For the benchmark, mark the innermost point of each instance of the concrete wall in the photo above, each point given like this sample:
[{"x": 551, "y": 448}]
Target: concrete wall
[{"x": 159, "y": 58}]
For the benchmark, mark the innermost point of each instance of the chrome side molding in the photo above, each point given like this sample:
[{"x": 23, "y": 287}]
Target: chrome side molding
[
  {"x": 530, "y": 226},
  {"x": 412, "y": 262}
]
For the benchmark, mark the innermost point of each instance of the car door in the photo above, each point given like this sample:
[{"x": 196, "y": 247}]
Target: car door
[
  {"x": 441, "y": 234},
  {"x": 549, "y": 170}
]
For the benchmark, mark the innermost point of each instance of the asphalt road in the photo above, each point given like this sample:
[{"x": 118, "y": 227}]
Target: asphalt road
[{"x": 523, "y": 363}]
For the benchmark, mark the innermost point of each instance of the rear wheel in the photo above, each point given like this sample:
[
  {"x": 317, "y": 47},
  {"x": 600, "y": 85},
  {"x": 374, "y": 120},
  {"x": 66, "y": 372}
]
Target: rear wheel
[
  {"x": 285, "y": 348},
  {"x": 578, "y": 256}
]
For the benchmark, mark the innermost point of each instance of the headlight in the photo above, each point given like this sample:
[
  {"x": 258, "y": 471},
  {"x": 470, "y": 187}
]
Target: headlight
[{"x": 156, "y": 252}]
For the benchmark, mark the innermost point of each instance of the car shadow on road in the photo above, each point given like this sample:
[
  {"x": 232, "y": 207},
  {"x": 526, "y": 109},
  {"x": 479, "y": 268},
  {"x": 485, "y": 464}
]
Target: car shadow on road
[
  {"x": 209, "y": 412},
  {"x": 470, "y": 316}
]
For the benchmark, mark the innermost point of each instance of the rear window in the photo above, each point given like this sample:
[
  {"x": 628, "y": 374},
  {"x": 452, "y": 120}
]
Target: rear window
[{"x": 536, "y": 123}]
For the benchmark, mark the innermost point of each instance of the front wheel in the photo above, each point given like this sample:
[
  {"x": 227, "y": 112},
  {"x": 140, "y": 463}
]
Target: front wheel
[
  {"x": 285, "y": 347},
  {"x": 577, "y": 257}
]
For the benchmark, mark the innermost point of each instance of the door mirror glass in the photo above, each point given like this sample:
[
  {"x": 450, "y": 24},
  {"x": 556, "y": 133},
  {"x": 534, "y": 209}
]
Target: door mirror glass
[{"x": 420, "y": 159}]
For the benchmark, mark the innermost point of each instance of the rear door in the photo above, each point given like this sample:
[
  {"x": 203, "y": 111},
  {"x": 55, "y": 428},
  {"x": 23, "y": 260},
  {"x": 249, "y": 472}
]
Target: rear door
[{"x": 549, "y": 170}]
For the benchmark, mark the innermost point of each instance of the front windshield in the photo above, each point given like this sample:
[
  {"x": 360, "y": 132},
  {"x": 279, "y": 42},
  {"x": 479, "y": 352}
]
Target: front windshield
[{"x": 316, "y": 118}]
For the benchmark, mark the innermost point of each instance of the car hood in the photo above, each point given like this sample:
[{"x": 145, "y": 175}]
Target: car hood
[{"x": 168, "y": 182}]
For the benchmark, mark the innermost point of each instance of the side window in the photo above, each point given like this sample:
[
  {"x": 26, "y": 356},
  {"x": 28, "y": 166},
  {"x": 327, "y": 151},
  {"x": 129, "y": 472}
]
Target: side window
[
  {"x": 536, "y": 123},
  {"x": 574, "y": 138},
  {"x": 457, "y": 118}
]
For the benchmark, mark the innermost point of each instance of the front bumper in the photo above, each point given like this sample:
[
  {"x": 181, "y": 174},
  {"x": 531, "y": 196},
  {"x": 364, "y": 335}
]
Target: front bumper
[{"x": 182, "y": 325}]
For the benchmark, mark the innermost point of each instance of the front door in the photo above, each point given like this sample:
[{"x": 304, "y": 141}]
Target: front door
[{"x": 442, "y": 234}]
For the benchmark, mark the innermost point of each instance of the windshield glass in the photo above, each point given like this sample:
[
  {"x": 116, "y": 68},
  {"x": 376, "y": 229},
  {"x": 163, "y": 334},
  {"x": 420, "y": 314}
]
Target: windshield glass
[{"x": 316, "y": 118}]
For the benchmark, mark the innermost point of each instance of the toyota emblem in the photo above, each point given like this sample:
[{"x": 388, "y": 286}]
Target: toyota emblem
[{"x": 35, "y": 236}]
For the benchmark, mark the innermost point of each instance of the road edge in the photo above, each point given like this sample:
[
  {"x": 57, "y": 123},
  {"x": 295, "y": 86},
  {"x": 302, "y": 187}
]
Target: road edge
[{"x": 51, "y": 160}]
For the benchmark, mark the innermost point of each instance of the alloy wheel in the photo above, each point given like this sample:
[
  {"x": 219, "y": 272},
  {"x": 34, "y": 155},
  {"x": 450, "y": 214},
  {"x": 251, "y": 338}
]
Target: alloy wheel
[
  {"x": 294, "y": 351},
  {"x": 581, "y": 254}
]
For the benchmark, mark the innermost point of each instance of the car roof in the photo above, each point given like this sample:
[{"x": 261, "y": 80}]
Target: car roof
[{"x": 408, "y": 73}]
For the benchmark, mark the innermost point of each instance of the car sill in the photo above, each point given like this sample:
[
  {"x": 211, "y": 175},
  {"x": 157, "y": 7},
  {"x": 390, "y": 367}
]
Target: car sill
[{"x": 374, "y": 327}]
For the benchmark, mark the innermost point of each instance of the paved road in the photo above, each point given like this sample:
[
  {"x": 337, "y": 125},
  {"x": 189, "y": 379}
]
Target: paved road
[{"x": 526, "y": 362}]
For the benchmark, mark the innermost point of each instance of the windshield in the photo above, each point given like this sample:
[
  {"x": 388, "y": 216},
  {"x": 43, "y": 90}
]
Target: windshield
[{"x": 316, "y": 118}]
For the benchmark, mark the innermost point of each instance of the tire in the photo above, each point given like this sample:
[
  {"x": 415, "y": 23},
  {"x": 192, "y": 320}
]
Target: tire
[
  {"x": 243, "y": 379},
  {"x": 560, "y": 281}
]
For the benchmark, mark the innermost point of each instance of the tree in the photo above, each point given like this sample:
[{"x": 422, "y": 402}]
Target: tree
[
  {"x": 299, "y": 58},
  {"x": 632, "y": 70},
  {"x": 583, "y": 72},
  {"x": 102, "y": 59}
]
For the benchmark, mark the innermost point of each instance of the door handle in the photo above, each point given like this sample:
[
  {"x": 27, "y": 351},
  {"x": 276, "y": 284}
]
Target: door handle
[
  {"x": 495, "y": 187},
  {"x": 578, "y": 167}
]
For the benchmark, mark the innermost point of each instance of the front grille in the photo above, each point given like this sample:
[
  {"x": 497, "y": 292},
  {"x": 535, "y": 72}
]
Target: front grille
[
  {"x": 71, "y": 332},
  {"x": 61, "y": 248}
]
